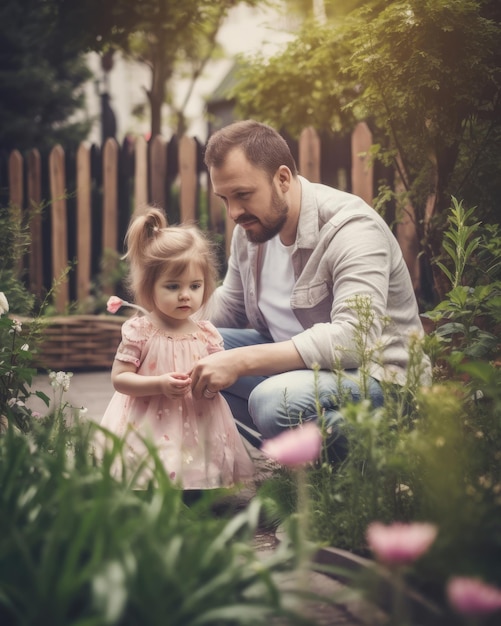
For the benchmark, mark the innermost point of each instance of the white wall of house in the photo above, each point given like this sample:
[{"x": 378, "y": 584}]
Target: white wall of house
[{"x": 246, "y": 31}]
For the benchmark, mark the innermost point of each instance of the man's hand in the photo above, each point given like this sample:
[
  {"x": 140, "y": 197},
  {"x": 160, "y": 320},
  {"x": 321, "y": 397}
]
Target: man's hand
[
  {"x": 221, "y": 369},
  {"x": 213, "y": 373}
]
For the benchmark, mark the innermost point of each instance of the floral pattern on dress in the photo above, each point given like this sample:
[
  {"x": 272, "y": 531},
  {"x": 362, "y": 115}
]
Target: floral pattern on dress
[{"x": 196, "y": 440}]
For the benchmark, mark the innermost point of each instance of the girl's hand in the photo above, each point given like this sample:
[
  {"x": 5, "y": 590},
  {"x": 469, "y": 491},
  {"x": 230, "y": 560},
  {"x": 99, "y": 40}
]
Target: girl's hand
[
  {"x": 175, "y": 384},
  {"x": 126, "y": 380}
]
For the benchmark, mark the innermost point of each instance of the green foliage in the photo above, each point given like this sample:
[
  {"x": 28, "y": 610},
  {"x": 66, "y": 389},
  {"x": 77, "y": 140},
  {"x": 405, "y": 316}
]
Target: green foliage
[
  {"x": 16, "y": 373},
  {"x": 429, "y": 454},
  {"x": 85, "y": 539},
  {"x": 371, "y": 481},
  {"x": 14, "y": 243},
  {"x": 292, "y": 90},
  {"x": 457, "y": 478},
  {"x": 432, "y": 458},
  {"x": 374, "y": 480},
  {"x": 170, "y": 38},
  {"x": 79, "y": 546},
  {"x": 41, "y": 79},
  {"x": 112, "y": 278},
  {"x": 423, "y": 74},
  {"x": 468, "y": 318},
  {"x": 458, "y": 242}
]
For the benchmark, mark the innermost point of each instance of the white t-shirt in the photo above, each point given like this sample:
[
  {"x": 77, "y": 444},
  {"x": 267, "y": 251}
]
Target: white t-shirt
[{"x": 275, "y": 289}]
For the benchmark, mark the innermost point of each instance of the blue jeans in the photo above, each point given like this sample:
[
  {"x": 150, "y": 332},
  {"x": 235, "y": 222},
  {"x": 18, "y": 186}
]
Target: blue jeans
[{"x": 269, "y": 405}]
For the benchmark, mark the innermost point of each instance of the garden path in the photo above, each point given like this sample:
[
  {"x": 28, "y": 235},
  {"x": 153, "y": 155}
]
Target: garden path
[{"x": 93, "y": 390}]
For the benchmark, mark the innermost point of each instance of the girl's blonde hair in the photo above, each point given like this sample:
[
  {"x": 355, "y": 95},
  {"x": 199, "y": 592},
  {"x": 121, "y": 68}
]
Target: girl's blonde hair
[{"x": 153, "y": 247}]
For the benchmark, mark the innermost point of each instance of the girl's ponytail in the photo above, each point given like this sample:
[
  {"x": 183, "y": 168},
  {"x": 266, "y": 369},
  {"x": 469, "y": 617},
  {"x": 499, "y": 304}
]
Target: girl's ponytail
[{"x": 144, "y": 228}]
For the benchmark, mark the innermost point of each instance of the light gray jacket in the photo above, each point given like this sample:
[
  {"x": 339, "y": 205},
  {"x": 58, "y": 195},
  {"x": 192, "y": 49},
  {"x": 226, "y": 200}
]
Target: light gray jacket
[{"x": 344, "y": 252}]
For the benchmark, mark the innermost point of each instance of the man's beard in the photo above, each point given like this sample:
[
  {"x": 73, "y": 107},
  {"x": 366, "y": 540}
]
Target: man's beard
[{"x": 279, "y": 210}]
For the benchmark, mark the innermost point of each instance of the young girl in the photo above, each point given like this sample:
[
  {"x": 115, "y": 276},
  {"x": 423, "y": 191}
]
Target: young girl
[{"x": 172, "y": 274}]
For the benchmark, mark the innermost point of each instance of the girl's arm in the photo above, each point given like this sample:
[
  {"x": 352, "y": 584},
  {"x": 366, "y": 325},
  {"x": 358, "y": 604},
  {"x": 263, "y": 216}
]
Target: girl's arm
[{"x": 126, "y": 380}]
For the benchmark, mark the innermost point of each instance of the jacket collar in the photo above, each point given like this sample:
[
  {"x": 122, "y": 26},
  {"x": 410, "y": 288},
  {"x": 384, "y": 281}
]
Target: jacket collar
[{"x": 307, "y": 229}]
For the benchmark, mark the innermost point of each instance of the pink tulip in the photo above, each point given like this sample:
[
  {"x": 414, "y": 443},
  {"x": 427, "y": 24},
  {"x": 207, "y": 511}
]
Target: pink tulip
[
  {"x": 114, "y": 303},
  {"x": 398, "y": 543},
  {"x": 296, "y": 446},
  {"x": 471, "y": 596}
]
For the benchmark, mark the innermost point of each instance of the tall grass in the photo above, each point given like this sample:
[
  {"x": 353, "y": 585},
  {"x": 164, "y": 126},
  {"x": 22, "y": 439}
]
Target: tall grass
[{"x": 79, "y": 547}]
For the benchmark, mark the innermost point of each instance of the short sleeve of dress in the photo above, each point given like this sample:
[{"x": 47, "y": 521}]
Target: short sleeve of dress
[
  {"x": 214, "y": 339},
  {"x": 134, "y": 336}
]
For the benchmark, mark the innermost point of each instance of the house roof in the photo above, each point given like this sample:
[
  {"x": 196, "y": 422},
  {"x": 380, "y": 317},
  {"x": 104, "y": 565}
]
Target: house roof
[{"x": 221, "y": 92}]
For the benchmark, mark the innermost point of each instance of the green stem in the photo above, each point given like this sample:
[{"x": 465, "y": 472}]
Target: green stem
[
  {"x": 303, "y": 518},
  {"x": 399, "y": 615}
]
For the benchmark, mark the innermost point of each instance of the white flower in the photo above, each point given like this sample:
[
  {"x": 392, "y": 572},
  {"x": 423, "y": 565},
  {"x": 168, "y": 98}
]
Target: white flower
[
  {"x": 17, "y": 326},
  {"x": 25, "y": 347},
  {"x": 15, "y": 402},
  {"x": 60, "y": 380},
  {"x": 4, "y": 303}
]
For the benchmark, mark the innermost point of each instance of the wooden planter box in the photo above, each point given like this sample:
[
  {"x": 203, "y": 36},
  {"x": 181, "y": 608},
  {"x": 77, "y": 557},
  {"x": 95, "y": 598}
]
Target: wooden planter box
[{"x": 77, "y": 342}]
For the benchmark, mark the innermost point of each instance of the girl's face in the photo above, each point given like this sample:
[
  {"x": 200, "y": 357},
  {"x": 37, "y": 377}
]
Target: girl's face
[{"x": 178, "y": 297}]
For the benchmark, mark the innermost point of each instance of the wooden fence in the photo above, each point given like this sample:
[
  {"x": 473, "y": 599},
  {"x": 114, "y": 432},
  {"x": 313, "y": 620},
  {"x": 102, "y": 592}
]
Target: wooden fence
[{"x": 87, "y": 198}]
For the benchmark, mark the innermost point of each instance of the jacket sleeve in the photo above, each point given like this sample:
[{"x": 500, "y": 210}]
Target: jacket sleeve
[
  {"x": 226, "y": 308},
  {"x": 358, "y": 264}
]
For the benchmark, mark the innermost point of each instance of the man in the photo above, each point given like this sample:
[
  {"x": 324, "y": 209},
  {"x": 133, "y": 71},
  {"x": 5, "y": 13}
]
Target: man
[{"x": 309, "y": 267}]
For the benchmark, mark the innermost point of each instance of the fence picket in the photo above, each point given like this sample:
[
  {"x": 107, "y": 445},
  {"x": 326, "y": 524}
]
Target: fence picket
[
  {"x": 188, "y": 178},
  {"x": 59, "y": 228},
  {"x": 110, "y": 196},
  {"x": 362, "y": 173},
  {"x": 309, "y": 155},
  {"x": 84, "y": 222},
  {"x": 141, "y": 173},
  {"x": 16, "y": 179},
  {"x": 155, "y": 172},
  {"x": 158, "y": 168},
  {"x": 110, "y": 208},
  {"x": 16, "y": 193},
  {"x": 34, "y": 186}
]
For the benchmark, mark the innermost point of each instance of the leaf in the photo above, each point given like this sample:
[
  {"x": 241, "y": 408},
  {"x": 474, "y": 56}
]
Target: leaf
[{"x": 44, "y": 397}]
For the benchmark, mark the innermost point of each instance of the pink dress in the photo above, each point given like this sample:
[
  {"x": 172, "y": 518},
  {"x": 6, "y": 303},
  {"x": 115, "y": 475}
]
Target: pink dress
[{"x": 197, "y": 440}]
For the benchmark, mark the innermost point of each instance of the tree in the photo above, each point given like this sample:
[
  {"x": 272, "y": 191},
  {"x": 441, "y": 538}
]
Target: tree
[
  {"x": 41, "y": 78},
  {"x": 425, "y": 75},
  {"x": 163, "y": 35},
  {"x": 43, "y": 69}
]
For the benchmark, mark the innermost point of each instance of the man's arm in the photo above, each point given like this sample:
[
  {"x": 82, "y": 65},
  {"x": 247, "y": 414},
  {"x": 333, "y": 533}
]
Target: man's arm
[
  {"x": 220, "y": 370},
  {"x": 226, "y": 307}
]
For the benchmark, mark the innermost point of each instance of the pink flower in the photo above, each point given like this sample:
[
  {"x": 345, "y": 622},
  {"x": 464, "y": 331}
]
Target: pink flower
[
  {"x": 398, "y": 543},
  {"x": 296, "y": 446},
  {"x": 114, "y": 303},
  {"x": 471, "y": 596}
]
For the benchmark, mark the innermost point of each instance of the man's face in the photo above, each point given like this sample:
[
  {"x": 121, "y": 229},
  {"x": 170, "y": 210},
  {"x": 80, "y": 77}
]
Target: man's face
[{"x": 251, "y": 200}]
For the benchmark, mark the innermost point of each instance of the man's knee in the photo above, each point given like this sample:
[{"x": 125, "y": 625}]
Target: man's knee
[
  {"x": 285, "y": 400},
  {"x": 272, "y": 408},
  {"x": 264, "y": 409}
]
